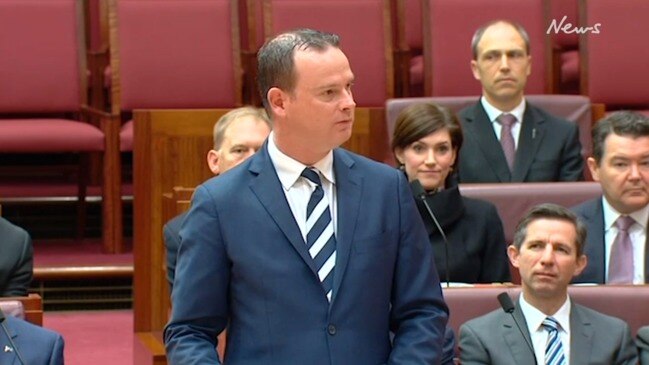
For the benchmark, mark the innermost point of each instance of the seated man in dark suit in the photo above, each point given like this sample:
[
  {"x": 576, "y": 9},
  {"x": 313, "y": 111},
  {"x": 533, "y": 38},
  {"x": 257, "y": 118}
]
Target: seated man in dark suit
[
  {"x": 506, "y": 138},
  {"x": 16, "y": 260},
  {"x": 237, "y": 135},
  {"x": 36, "y": 345},
  {"x": 548, "y": 252},
  {"x": 617, "y": 221}
]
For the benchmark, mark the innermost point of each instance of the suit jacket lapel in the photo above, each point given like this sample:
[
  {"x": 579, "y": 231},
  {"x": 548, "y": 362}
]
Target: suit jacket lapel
[
  {"x": 268, "y": 189},
  {"x": 520, "y": 350},
  {"x": 529, "y": 140},
  {"x": 480, "y": 126},
  {"x": 348, "y": 195},
  {"x": 581, "y": 337}
]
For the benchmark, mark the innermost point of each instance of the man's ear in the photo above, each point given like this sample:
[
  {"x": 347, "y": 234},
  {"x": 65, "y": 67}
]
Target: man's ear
[
  {"x": 277, "y": 101},
  {"x": 593, "y": 167},
  {"x": 513, "y": 254},
  {"x": 474, "y": 70},
  {"x": 213, "y": 161},
  {"x": 582, "y": 262}
]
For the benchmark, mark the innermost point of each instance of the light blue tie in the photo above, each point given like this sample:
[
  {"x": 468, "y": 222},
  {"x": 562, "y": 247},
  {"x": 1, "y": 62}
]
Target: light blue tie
[
  {"x": 553, "y": 349},
  {"x": 320, "y": 238}
]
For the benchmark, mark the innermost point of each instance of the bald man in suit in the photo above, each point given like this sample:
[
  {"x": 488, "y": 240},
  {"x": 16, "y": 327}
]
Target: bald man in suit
[{"x": 548, "y": 252}]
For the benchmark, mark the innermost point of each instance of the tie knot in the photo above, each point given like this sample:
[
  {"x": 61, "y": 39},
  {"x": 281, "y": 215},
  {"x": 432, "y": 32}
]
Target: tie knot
[
  {"x": 506, "y": 119},
  {"x": 624, "y": 222},
  {"x": 311, "y": 174},
  {"x": 550, "y": 324}
]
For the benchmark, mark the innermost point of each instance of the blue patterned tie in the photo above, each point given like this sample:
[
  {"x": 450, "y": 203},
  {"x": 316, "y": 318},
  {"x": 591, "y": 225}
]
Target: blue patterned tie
[
  {"x": 553, "y": 350},
  {"x": 320, "y": 238}
]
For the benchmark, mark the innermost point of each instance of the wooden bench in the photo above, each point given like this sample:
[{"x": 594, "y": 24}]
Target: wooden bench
[{"x": 32, "y": 306}]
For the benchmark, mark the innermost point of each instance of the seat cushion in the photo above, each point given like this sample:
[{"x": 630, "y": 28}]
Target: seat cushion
[
  {"x": 126, "y": 137},
  {"x": 49, "y": 135}
]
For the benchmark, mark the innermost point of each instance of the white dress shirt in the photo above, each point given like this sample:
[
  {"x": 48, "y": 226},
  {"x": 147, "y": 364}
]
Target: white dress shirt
[
  {"x": 297, "y": 189},
  {"x": 493, "y": 113},
  {"x": 539, "y": 335}
]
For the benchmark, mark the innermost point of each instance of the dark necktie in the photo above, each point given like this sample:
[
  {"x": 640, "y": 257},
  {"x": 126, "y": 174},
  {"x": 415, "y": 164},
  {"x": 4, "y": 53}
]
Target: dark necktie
[
  {"x": 507, "y": 138},
  {"x": 320, "y": 238},
  {"x": 620, "y": 266}
]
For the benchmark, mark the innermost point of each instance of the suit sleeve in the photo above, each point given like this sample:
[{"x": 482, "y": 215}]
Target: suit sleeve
[
  {"x": 628, "y": 354},
  {"x": 472, "y": 350},
  {"x": 172, "y": 243},
  {"x": 419, "y": 314},
  {"x": 643, "y": 345},
  {"x": 495, "y": 263},
  {"x": 57, "y": 351},
  {"x": 572, "y": 164},
  {"x": 21, "y": 276},
  {"x": 200, "y": 292}
]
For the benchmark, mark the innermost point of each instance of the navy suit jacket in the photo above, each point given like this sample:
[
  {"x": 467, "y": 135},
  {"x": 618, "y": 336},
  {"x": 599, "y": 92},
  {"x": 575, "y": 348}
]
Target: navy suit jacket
[
  {"x": 37, "y": 345},
  {"x": 16, "y": 260},
  {"x": 243, "y": 264},
  {"x": 595, "y": 339},
  {"x": 548, "y": 149},
  {"x": 171, "y": 232},
  {"x": 592, "y": 214}
]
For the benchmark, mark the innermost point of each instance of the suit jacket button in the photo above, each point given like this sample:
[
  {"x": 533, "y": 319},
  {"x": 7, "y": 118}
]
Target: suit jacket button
[{"x": 331, "y": 329}]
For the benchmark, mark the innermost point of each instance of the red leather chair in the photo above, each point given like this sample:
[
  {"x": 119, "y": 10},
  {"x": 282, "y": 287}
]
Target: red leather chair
[
  {"x": 614, "y": 60},
  {"x": 171, "y": 54},
  {"x": 565, "y": 45},
  {"x": 43, "y": 90},
  {"x": 449, "y": 26},
  {"x": 410, "y": 46},
  {"x": 366, "y": 38},
  {"x": 574, "y": 108}
]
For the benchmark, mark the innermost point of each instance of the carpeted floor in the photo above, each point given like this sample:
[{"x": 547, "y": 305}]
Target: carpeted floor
[{"x": 94, "y": 337}]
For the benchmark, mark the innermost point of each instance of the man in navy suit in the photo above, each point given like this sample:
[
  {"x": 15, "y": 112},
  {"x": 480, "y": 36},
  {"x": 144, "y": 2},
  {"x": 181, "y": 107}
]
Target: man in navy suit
[
  {"x": 238, "y": 134},
  {"x": 16, "y": 260},
  {"x": 36, "y": 345},
  {"x": 620, "y": 163},
  {"x": 506, "y": 138},
  {"x": 244, "y": 263}
]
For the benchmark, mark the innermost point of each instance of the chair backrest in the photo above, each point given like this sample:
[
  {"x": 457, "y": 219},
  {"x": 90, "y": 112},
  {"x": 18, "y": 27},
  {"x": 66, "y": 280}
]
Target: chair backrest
[
  {"x": 513, "y": 199},
  {"x": 560, "y": 9},
  {"x": 366, "y": 38},
  {"x": 447, "y": 42},
  {"x": 175, "y": 54},
  {"x": 42, "y": 47},
  {"x": 624, "y": 302},
  {"x": 574, "y": 108},
  {"x": 29, "y": 308},
  {"x": 612, "y": 54}
]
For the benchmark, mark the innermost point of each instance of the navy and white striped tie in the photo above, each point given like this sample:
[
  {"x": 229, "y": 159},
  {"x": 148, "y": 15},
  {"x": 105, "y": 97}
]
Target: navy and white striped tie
[
  {"x": 320, "y": 238},
  {"x": 553, "y": 349}
]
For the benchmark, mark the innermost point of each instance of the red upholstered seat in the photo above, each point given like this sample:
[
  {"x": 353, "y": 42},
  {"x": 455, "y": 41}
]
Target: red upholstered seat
[
  {"x": 449, "y": 26},
  {"x": 43, "y": 76},
  {"x": 565, "y": 43},
  {"x": 614, "y": 61},
  {"x": 366, "y": 38},
  {"x": 574, "y": 108}
]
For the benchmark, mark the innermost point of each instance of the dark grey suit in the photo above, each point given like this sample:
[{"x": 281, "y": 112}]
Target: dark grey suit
[
  {"x": 592, "y": 214},
  {"x": 548, "y": 149},
  {"x": 16, "y": 260},
  {"x": 643, "y": 345},
  {"x": 595, "y": 339}
]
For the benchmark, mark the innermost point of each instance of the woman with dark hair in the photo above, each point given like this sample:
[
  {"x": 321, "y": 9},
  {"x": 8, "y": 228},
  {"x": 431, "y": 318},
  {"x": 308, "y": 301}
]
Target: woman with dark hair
[{"x": 425, "y": 142}]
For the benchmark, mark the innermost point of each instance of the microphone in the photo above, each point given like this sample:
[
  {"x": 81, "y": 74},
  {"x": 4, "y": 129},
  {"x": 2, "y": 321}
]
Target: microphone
[
  {"x": 4, "y": 329},
  {"x": 420, "y": 193},
  {"x": 508, "y": 306}
]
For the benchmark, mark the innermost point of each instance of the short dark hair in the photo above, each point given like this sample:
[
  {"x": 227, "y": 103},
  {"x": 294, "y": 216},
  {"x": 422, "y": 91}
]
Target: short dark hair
[
  {"x": 275, "y": 63},
  {"x": 623, "y": 123},
  {"x": 419, "y": 120},
  {"x": 550, "y": 211},
  {"x": 477, "y": 36}
]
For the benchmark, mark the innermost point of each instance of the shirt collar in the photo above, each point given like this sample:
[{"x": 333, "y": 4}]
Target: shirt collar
[
  {"x": 535, "y": 317},
  {"x": 289, "y": 170},
  {"x": 493, "y": 112},
  {"x": 611, "y": 215}
]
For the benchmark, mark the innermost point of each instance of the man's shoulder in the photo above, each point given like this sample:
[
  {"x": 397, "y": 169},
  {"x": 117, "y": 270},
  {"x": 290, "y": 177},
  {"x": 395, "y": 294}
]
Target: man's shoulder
[
  {"x": 586, "y": 207},
  {"x": 486, "y": 321},
  {"x": 604, "y": 321},
  {"x": 554, "y": 120},
  {"x": 31, "y": 331}
]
